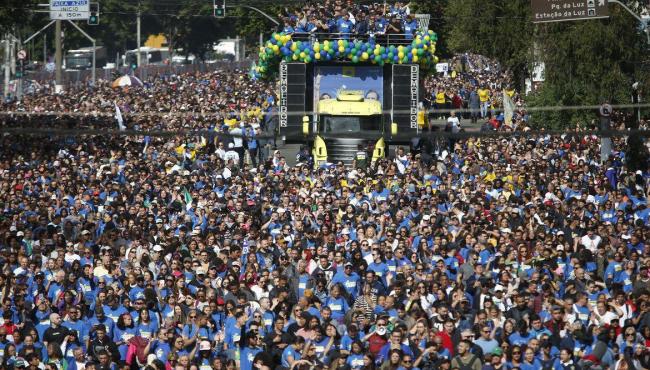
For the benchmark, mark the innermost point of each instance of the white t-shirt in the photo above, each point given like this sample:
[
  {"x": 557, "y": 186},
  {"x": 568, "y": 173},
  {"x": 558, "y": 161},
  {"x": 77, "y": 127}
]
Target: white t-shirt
[{"x": 455, "y": 124}]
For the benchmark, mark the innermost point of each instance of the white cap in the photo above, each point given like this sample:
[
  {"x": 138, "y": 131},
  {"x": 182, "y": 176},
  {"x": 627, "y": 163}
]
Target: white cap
[
  {"x": 205, "y": 346},
  {"x": 20, "y": 233},
  {"x": 157, "y": 248}
]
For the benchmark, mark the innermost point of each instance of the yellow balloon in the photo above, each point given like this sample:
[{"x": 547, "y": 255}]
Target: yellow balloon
[
  {"x": 400, "y": 48},
  {"x": 435, "y": 59},
  {"x": 341, "y": 49},
  {"x": 414, "y": 51},
  {"x": 276, "y": 49},
  {"x": 277, "y": 37},
  {"x": 418, "y": 41},
  {"x": 377, "y": 51},
  {"x": 427, "y": 38},
  {"x": 317, "y": 55},
  {"x": 294, "y": 47},
  {"x": 364, "y": 56},
  {"x": 425, "y": 47},
  {"x": 415, "y": 59},
  {"x": 326, "y": 42},
  {"x": 294, "y": 57},
  {"x": 316, "y": 47},
  {"x": 400, "y": 55},
  {"x": 269, "y": 45},
  {"x": 302, "y": 54}
]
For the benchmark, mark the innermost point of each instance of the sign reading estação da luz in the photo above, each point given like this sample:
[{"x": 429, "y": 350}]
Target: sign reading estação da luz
[{"x": 566, "y": 10}]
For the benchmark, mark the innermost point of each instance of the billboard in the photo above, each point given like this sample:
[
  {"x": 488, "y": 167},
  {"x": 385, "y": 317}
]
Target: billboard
[
  {"x": 566, "y": 10},
  {"x": 329, "y": 80}
]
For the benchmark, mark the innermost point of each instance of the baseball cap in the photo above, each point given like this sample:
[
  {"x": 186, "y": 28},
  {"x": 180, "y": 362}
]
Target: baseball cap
[
  {"x": 157, "y": 248},
  {"x": 204, "y": 345}
]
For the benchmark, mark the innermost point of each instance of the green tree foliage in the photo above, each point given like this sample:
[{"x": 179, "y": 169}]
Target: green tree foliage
[
  {"x": 15, "y": 13},
  {"x": 587, "y": 62},
  {"x": 500, "y": 29}
]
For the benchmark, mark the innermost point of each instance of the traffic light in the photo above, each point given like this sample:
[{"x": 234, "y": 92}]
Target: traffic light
[
  {"x": 93, "y": 17},
  {"x": 219, "y": 8}
]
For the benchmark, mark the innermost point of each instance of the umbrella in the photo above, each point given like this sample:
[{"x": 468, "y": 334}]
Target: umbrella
[{"x": 127, "y": 81}]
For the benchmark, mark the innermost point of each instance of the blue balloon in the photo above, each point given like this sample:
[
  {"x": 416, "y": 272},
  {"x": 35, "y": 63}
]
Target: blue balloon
[
  {"x": 359, "y": 52},
  {"x": 323, "y": 53},
  {"x": 384, "y": 56},
  {"x": 363, "y": 47},
  {"x": 273, "y": 41},
  {"x": 347, "y": 50},
  {"x": 328, "y": 56},
  {"x": 396, "y": 59},
  {"x": 311, "y": 53}
]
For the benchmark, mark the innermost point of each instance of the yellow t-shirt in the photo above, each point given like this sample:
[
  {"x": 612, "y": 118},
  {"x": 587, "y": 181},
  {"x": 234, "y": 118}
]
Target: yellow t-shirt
[
  {"x": 440, "y": 97},
  {"x": 484, "y": 95}
]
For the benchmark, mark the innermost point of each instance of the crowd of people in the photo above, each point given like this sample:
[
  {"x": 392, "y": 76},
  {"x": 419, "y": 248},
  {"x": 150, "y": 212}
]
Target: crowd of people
[
  {"x": 175, "y": 252},
  {"x": 474, "y": 86},
  {"x": 347, "y": 19}
]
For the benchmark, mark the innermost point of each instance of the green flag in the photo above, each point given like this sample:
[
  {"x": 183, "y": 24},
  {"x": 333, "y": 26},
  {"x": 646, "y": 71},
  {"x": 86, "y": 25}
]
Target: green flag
[{"x": 188, "y": 198}]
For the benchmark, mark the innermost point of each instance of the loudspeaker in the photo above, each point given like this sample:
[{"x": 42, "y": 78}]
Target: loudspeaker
[
  {"x": 406, "y": 95},
  {"x": 293, "y": 89}
]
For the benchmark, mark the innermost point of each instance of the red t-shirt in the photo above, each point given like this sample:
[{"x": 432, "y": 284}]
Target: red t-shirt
[{"x": 375, "y": 343}]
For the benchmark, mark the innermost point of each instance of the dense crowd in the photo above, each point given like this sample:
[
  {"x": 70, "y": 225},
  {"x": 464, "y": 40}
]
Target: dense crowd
[
  {"x": 170, "y": 252},
  {"x": 349, "y": 19},
  {"x": 475, "y": 86}
]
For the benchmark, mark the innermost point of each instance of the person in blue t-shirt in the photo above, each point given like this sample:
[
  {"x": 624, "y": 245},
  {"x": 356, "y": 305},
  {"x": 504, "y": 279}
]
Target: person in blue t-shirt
[
  {"x": 345, "y": 26},
  {"x": 250, "y": 350},
  {"x": 410, "y": 26}
]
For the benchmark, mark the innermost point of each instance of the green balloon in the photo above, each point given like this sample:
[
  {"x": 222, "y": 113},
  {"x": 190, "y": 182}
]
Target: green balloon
[
  {"x": 307, "y": 59},
  {"x": 382, "y": 50},
  {"x": 420, "y": 52},
  {"x": 391, "y": 55},
  {"x": 355, "y": 59}
]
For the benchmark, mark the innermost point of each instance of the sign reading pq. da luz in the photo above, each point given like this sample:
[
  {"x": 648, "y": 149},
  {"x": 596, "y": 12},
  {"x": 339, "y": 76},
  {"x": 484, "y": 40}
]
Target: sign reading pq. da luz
[{"x": 69, "y": 9}]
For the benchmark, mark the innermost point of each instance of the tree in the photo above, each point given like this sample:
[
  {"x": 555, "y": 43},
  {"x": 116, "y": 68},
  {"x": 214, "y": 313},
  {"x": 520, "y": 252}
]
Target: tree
[
  {"x": 587, "y": 62},
  {"x": 499, "y": 29}
]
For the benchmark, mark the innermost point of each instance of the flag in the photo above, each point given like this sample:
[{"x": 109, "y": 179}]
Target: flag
[
  {"x": 188, "y": 198},
  {"x": 508, "y": 109},
  {"x": 118, "y": 117}
]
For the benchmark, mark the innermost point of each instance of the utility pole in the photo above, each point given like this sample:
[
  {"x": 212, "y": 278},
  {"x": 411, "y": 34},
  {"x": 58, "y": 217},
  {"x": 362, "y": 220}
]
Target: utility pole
[
  {"x": 138, "y": 35},
  {"x": 44, "y": 49},
  {"x": 58, "y": 56},
  {"x": 6, "y": 67}
]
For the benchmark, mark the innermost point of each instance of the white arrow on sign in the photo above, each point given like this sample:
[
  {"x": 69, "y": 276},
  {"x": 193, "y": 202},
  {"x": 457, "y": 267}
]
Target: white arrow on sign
[{"x": 22, "y": 54}]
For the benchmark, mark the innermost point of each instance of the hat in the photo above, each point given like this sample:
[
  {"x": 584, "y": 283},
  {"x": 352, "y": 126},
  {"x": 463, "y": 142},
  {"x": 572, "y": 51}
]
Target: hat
[
  {"x": 498, "y": 288},
  {"x": 20, "y": 233},
  {"x": 85, "y": 232},
  {"x": 200, "y": 271},
  {"x": 157, "y": 248},
  {"x": 348, "y": 264},
  {"x": 236, "y": 263},
  {"x": 497, "y": 351},
  {"x": 220, "y": 301},
  {"x": 205, "y": 345},
  {"x": 560, "y": 247}
]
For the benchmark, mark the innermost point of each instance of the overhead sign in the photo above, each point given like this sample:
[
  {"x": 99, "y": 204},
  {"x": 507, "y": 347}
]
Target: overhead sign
[
  {"x": 568, "y": 10},
  {"x": 69, "y": 9},
  {"x": 22, "y": 54}
]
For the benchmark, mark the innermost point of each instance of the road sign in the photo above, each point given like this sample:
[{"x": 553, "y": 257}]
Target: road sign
[
  {"x": 22, "y": 54},
  {"x": 69, "y": 9},
  {"x": 568, "y": 10}
]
